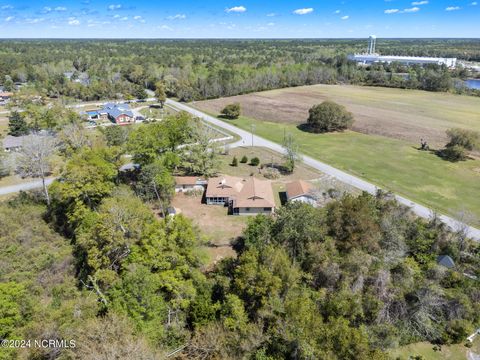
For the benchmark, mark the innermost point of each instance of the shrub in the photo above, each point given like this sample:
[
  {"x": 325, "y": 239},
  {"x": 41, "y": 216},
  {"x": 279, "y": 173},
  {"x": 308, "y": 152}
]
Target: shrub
[
  {"x": 244, "y": 160},
  {"x": 454, "y": 153},
  {"x": 329, "y": 116},
  {"x": 231, "y": 111},
  {"x": 271, "y": 173},
  {"x": 468, "y": 139},
  {"x": 255, "y": 161},
  {"x": 234, "y": 161}
]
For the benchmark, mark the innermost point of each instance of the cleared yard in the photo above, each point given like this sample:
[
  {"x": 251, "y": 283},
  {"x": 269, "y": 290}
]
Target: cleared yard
[
  {"x": 266, "y": 156},
  {"x": 395, "y": 113},
  {"x": 213, "y": 221}
]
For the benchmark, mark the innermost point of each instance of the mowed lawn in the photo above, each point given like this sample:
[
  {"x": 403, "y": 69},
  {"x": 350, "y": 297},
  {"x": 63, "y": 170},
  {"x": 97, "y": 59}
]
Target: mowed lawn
[
  {"x": 395, "y": 113},
  {"x": 427, "y": 351},
  {"x": 450, "y": 188}
]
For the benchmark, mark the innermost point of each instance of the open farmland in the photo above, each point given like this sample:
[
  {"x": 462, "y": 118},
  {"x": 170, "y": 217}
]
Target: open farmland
[{"x": 395, "y": 113}]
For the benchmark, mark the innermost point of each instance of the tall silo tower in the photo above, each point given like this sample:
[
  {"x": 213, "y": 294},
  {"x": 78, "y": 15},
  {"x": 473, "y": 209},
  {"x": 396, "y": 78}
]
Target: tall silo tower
[{"x": 372, "y": 42}]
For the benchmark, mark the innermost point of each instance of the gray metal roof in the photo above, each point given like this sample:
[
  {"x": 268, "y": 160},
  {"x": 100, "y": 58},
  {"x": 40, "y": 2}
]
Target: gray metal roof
[
  {"x": 115, "y": 110},
  {"x": 446, "y": 261},
  {"x": 12, "y": 142}
]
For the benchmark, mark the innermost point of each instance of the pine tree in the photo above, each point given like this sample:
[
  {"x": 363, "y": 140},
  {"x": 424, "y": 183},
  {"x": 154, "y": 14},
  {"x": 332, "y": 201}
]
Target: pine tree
[{"x": 17, "y": 126}]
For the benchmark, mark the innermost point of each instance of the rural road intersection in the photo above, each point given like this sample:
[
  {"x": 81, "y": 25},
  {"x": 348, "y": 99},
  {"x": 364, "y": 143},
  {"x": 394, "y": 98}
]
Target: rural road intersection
[{"x": 246, "y": 140}]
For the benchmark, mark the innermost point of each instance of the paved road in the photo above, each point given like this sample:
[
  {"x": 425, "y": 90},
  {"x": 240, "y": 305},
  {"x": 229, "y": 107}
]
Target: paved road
[
  {"x": 36, "y": 184},
  {"x": 246, "y": 140}
]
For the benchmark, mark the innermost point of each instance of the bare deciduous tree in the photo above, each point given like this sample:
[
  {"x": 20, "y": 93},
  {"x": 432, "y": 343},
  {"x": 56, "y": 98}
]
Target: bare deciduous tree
[{"x": 35, "y": 157}]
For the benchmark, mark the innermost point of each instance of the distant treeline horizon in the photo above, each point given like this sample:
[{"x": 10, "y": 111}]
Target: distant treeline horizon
[{"x": 195, "y": 69}]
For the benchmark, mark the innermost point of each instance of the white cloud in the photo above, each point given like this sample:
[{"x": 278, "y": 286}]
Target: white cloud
[
  {"x": 346, "y": 17},
  {"x": 337, "y": 11},
  {"x": 452, "y": 8},
  {"x": 271, "y": 24},
  {"x": 125, "y": 18},
  {"x": 116, "y": 16},
  {"x": 391, "y": 11},
  {"x": 271, "y": 14},
  {"x": 60, "y": 8},
  {"x": 416, "y": 3},
  {"x": 34, "y": 20},
  {"x": 411, "y": 10},
  {"x": 114, "y": 7},
  {"x": 237, "y": 9},
  {"x": 177, "y": 17},
  {"x": 73, "y": 21},
  {"x": 9, "y": 18},
  {"x": 474, "y": 3},
  {"x": 137, "y": 17},
  {"x": 6, "y": 7},
  {"x": 303, "y": 11},
  {"x": 166, "y": 27}
]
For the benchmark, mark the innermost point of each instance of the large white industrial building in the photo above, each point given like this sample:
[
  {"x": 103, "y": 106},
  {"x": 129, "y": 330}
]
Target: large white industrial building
[{"x": 371, "y": 57}]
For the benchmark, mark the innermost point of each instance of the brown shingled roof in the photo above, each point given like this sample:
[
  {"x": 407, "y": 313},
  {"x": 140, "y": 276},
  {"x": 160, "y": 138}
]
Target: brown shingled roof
[
  {"x": 298, "y": 188},
  {"x": 187, "y": 180},
  {"x": 255, "y": 193},
  {"x": 224, "y": 186}
]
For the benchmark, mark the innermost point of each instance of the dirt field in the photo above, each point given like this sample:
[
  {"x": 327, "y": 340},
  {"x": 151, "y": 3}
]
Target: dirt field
[
  {"x": 401, "y": 114},
  {"x": 213, "y": 221}
]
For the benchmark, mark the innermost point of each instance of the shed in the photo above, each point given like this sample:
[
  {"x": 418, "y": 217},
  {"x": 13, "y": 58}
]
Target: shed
[{"x": 446, "y": 261}]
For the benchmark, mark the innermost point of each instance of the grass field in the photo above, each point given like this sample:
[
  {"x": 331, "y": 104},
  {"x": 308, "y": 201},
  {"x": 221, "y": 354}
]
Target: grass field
[
  {"x": 395, "y": 113},
  {"x": 396, "y": 165},
  {"x": 382, "y": 146},
  {"x": 426, "y": 350}
]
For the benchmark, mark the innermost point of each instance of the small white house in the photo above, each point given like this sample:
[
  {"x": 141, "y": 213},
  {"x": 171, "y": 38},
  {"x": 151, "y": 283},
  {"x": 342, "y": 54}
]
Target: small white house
[{"x": 300, "y": 191}]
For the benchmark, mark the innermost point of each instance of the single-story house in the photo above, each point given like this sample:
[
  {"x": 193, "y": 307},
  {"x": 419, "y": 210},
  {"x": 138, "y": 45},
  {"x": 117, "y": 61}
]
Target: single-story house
[
  {"x": 13, "y": 143},
  {"x": 220, "y": 190},
  {"x": 300, "y": 191},
  {"x": 121, "y": 114},
  {"x": 189, "y": 183},
  {"x": 243, "y": 196},
  {"x": 445, "y": 261}
]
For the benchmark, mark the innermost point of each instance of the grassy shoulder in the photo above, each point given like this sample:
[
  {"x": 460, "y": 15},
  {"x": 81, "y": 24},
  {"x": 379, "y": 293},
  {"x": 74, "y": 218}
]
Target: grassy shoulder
[{"x": 392, "y": 164}]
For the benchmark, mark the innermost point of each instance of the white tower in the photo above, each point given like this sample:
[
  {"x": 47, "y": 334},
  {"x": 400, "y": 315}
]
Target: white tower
[{"x": 372, "y": 42}]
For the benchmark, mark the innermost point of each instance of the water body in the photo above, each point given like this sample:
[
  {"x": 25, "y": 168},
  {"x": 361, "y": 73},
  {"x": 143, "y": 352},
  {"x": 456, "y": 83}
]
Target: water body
[{"x": 473, "y": 84}]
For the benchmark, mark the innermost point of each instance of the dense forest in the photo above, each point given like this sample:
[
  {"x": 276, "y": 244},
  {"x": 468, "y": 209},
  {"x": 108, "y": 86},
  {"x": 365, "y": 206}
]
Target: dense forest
[
  {"x": 201, "y": 69},
  {"x": 90, "y": 259}
]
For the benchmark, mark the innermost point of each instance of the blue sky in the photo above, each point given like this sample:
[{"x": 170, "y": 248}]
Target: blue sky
[{"x": 238, "y": 19}]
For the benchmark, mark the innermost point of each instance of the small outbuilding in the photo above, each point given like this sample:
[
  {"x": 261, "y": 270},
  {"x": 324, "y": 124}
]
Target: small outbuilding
[
  {"x": 300, "y": 191},
  {"x": 13, "y": 143},
  {"x": 189, "y": 183},
  {"x": 171, "y": 211},
  {"x": 445, "y": 261}
]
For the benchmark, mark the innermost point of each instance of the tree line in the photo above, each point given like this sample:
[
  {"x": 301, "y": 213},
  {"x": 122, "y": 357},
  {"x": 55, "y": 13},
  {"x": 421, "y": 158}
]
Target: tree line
[{"x": 203, "y": 69}]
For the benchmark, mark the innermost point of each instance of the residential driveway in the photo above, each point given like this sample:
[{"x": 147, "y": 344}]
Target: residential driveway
[
  {"x": 247, "y": 138},
  {"x": 24, "y": 186}
]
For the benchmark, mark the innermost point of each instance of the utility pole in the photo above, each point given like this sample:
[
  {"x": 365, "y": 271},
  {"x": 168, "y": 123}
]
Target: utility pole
[{"x": 252, "y": 130}]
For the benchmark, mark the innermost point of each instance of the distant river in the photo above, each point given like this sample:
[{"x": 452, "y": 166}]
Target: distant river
[{"x": 472, "y": 84}]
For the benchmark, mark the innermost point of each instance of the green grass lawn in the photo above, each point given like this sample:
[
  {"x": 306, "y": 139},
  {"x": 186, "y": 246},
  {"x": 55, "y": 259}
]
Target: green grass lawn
[
  {"x": 425, "y": 349},
  {"x": 392, "y": 164}
]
